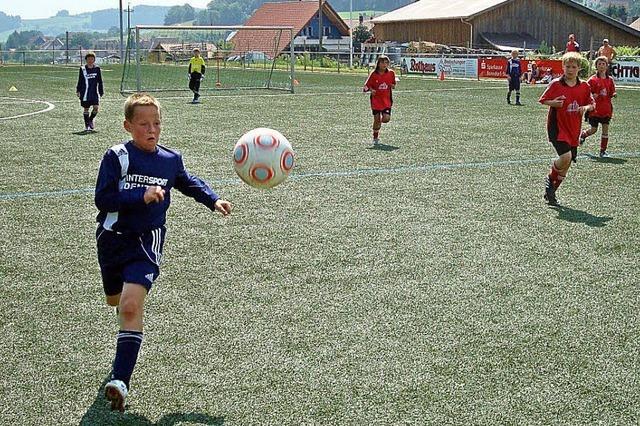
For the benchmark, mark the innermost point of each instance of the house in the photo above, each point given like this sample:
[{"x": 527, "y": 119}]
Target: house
[
  {"x": 165, "y": 50},
  {"x": 48, "y": 43},
  {"x": 501, "y": 24},
  {"x": 635, "y": 24},
  {"x": 303, "y": 17}
]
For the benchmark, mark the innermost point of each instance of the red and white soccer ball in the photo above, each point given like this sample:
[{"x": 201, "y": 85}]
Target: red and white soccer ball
[{"x": 263, "y": 158}]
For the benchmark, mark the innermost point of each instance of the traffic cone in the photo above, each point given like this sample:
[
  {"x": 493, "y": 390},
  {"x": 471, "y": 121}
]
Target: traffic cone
[
  {"x": 13, "y": 89},
  {"x": 441, "y": 75}
]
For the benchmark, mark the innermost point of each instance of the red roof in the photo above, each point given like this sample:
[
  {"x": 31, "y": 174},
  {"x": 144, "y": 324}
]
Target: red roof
[{"x": 296, "y": 14}]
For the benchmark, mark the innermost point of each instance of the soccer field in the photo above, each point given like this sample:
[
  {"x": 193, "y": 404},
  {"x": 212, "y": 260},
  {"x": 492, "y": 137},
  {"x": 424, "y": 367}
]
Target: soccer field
[{"x": 421, "y": 282}]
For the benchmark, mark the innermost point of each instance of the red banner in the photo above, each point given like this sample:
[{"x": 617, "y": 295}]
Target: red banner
[{"x": 497, "y": 67}]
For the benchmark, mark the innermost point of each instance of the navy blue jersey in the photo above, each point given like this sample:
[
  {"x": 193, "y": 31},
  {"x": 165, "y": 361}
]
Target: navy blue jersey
[
  {"x": 126, "y": 172},
  {"x": 513, "y": 68},
  {"x": 90, "y": 84}
]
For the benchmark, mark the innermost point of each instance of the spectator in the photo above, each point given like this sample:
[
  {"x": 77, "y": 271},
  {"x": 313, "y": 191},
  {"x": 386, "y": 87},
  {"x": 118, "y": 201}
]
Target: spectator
[
  {"x": 572, "y": 44},
  {"x": 533, "y": 76},
  {"x": 607, "y": 51}
]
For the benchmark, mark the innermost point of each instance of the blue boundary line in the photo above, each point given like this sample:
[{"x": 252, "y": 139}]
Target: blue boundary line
[{"x": 348, "y": 173}]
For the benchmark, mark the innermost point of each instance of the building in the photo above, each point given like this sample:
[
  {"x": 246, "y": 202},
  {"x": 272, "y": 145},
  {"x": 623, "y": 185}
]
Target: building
[
  {"x": 635, "y": 24},
  {"x": 303, "y": 17},
  {"x": 501, "y": 24}
]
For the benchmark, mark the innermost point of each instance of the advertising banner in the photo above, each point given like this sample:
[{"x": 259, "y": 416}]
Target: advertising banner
[
  {"x": 452, "y": 67},
  {"x": 626, "y": 72}
]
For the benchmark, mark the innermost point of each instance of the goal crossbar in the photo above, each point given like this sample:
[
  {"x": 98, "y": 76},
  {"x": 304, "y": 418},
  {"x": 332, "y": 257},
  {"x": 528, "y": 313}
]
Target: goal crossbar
[{"x": 243, "y": 54}]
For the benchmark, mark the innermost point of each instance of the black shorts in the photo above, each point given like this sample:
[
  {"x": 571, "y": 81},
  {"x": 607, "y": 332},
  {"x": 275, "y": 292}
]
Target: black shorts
[
  {"x": 381, "y": 111},
  {"x": 89, "y": 104},
  {"x": 594, "y": 121},
  {"x": 563, "y": 147},
  {"x": 129, "y": 258},
  {"x": 514, "y": 84}
]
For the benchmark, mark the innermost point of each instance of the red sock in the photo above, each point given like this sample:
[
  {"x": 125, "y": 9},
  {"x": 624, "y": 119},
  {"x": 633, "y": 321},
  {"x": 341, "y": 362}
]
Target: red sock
[
  {"x": 604, "y": 141},
  {"x": 375, "y": 134},
  {"x": 560, "y": 180}
]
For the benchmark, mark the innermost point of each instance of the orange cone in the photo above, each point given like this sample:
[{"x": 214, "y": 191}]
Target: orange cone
[{"x": 441, "y": 75}]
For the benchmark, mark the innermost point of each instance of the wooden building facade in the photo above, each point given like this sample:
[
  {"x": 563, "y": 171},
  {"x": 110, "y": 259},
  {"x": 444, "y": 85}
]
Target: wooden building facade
[{"x": 468, "y": 25}]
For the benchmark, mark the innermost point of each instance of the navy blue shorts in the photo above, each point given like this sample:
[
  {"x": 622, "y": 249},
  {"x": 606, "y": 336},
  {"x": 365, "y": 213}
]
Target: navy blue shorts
[
  {"x": 514, "y": 84},
  {"x": 89, "y": 104},
  {"x": 129, "y": 258}
]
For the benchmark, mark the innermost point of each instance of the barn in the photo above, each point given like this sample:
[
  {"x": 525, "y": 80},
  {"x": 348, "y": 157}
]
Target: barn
[{"x": 501, "y": 24}]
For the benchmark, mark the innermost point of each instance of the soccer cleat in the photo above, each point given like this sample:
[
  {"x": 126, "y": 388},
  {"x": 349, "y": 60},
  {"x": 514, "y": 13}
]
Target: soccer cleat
[
  {"x": 550, "y": 193},
  {"x": 508, "y": 101},
  {"x": 518, "y": 103},
  {"x": 91, "y": 125},
  {"x": 603, "y": 154},
  {"x": 116, "y": 392},
  {"x": 376, "y": 141},
  {"x": 582, "y": 140}
]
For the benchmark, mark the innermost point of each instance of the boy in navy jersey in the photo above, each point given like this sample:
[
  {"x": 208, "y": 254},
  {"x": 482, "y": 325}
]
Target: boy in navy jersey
[
  {"x": 89, "y": 89},
  {"x": 568, "y": 100},
  {"x": 133, "y": 193},
  {"x": 514, "y": 73}
]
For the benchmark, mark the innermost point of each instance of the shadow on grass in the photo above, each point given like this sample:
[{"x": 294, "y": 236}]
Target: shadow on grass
[
  {"x": 579, "y": 216},
  {"x": 100, "y": 414},
  {"x": 83, "y": 132},
  {"x": 383, "y": 147},
  {"x": 606, "y": 160}
]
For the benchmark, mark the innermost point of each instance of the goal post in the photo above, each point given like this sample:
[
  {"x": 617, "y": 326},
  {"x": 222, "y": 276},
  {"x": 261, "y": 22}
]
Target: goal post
[{"x": 236, "y": 57}]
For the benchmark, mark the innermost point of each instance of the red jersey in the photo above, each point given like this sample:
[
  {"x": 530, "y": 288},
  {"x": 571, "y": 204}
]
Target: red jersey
[
  {"x": 603, "y": 90},
  {"x": 382, "y": 84},
  {"x": 573, "y": 46},
  {"x": 564, "y": 123}
]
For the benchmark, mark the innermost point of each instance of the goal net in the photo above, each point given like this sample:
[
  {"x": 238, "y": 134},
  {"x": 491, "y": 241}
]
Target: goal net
[{"x": 236, "y": 57}]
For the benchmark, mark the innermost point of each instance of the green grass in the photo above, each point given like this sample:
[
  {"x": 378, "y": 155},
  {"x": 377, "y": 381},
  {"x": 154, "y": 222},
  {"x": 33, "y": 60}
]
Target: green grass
[{"x": 421, "y": 283}]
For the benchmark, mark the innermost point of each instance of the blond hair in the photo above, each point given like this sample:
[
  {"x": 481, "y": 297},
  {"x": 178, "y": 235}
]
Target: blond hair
[
  {"x": 138, "y": 99},
  {"x": 571, "y": 57}
]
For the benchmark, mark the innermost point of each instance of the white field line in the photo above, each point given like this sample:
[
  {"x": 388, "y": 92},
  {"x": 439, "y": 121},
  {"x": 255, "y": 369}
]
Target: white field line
[
  {"x": 49, "y": 107},
  {"x": 342, "y": 174}
]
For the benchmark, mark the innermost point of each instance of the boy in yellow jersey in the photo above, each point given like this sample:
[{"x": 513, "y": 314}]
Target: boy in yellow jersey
[{"x": 196, "y": 74}]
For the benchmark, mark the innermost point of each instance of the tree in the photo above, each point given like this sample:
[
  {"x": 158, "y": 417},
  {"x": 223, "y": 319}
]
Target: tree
[
  {"x": 63, "y": 13},
  {"x": 361, "y": 34},
  {"x": 78, "y": 40},
  {"x": 22, "y": 40},
  {"x": 9, "y": 22},
  {"x": 178, "y": 14}
]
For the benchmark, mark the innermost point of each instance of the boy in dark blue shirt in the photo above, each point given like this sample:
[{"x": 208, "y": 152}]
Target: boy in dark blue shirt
[
  {"x": 90, "y": 89},
  {"x": 133, "y": 194},
  {"x": 514, "y": 72}
]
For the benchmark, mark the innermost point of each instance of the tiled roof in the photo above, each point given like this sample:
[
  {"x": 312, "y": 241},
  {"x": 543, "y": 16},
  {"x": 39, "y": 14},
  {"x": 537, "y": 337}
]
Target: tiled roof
[{"x": 294, "y": 14}]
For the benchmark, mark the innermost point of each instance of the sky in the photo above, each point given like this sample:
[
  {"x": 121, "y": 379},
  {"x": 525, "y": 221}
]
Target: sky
[{"x": 33, "y": 9}]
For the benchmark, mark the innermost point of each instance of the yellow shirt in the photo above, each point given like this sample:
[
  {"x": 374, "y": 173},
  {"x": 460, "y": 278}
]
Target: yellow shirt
[{"x": 196, "y": 63}]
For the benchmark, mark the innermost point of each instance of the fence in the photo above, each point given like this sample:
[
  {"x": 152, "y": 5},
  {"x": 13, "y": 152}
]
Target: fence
[
  {"x": 474, "y": 66},
  {"x": 55, "y": 57}
]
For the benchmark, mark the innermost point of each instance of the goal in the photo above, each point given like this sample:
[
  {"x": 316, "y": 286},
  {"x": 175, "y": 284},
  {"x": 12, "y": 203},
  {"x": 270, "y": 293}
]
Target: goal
[{"x": 236, "y": 57}]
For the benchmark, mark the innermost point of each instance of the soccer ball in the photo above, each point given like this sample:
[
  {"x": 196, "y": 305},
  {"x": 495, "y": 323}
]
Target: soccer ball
[{"x": 263, "y": 158}]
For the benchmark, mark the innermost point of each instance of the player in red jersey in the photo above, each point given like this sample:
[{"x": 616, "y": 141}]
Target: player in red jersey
[
  {"x": 380, "y": 83},
  {"x": 603, "y": 89},
  {"x": 572, "y": 44},
  {"x": 568, "y": 99}
]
